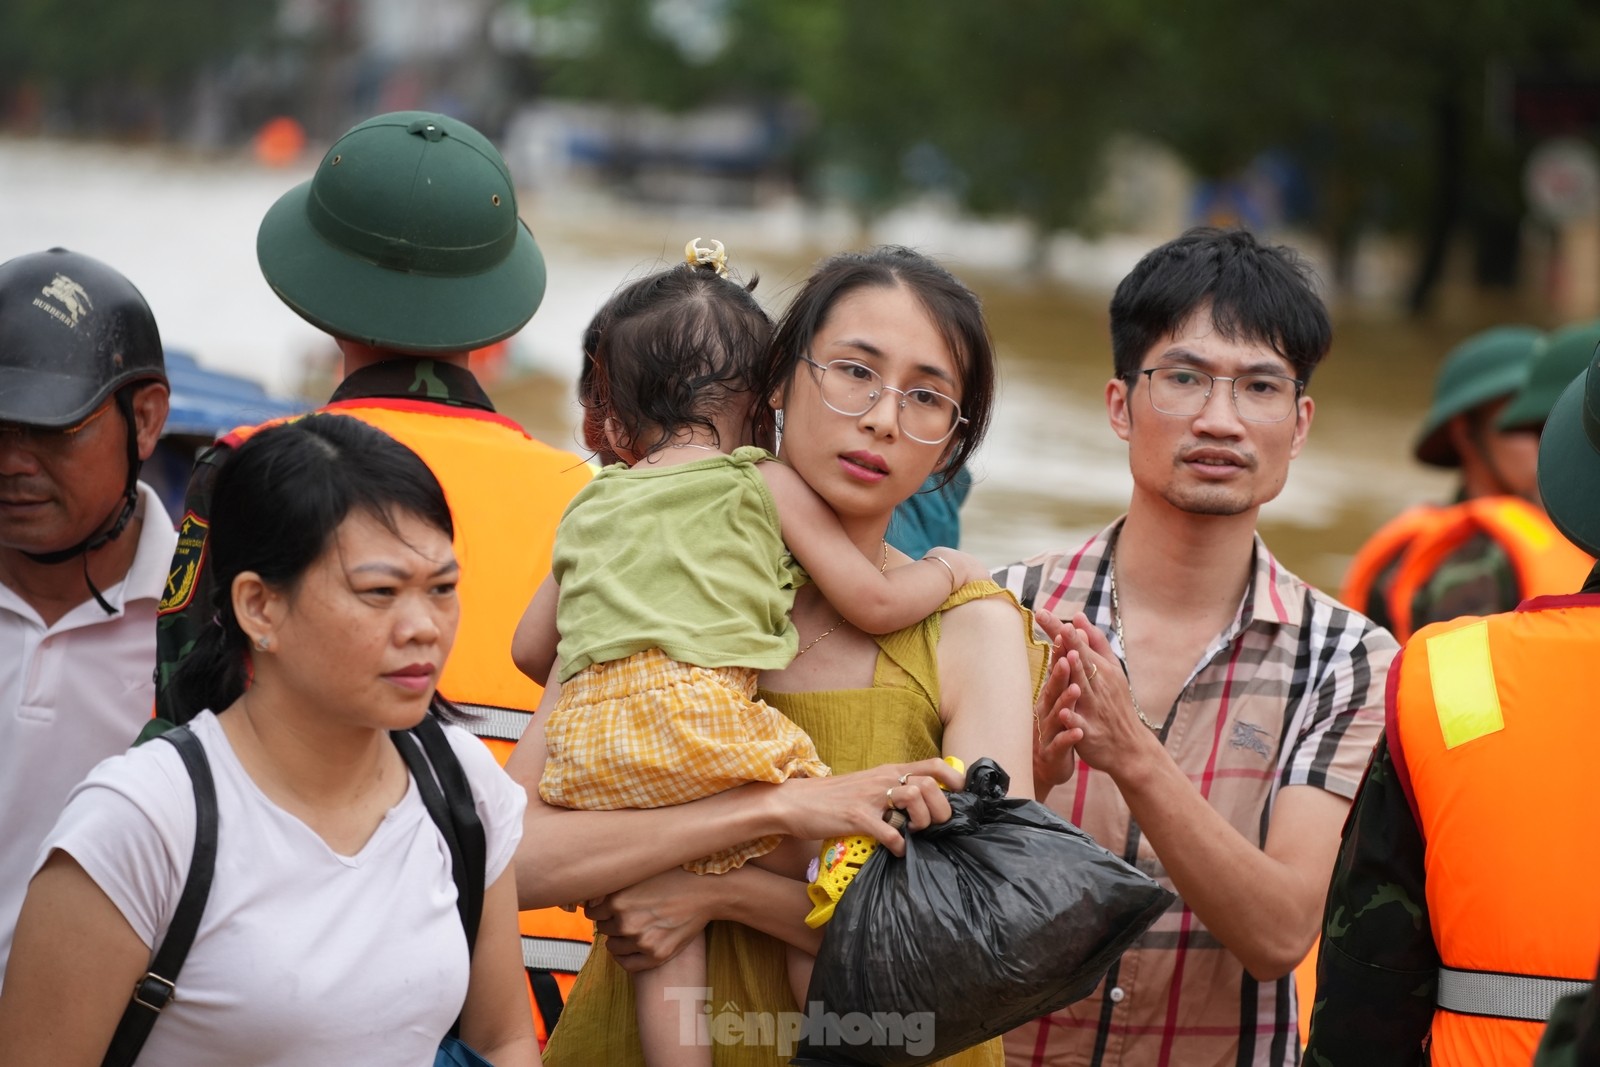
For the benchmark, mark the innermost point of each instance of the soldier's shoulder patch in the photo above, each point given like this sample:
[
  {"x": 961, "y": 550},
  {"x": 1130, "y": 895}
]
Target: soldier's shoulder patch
[{"x": 186, "y": 563}]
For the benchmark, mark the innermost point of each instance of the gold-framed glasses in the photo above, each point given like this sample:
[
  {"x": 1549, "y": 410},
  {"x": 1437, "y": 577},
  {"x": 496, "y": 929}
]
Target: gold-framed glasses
[
  {"x": 1256, "y": 397},
  {"x": 927, "y": 416},
  {"x": 47, "y": 438}
]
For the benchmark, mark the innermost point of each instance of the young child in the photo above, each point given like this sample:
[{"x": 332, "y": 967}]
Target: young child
[{"x": 672, "y": 583}]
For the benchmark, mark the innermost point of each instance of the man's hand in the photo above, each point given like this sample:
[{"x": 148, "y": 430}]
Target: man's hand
[
  {"x": 1113, "y": 739},
  {"x": 1054, "y": 756}
]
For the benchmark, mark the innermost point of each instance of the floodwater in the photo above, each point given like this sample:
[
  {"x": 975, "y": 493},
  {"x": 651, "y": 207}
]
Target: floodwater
[{"x": 183, "y": 228}]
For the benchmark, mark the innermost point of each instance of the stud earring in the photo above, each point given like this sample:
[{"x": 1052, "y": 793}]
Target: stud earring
[{"x": 263, "y": 643}]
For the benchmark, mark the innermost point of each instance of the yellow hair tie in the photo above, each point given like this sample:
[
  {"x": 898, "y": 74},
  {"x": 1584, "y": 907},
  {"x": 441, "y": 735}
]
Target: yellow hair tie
[{"x": 715, "y": 256}]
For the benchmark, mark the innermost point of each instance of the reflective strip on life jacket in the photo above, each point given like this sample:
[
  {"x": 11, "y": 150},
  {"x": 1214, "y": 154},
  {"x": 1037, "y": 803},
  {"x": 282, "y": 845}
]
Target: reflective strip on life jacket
[
  {"x": 498, "y": 724},
  {"x": 1462, "y": 675},
  {"x": 554, "y": 954},
  {"x": 1495, "y": 995}
]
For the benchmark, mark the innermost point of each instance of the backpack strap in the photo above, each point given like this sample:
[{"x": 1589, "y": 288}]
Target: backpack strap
[
  {"x": 448, "y": 797},
  {"x": 158, "y": 987}
]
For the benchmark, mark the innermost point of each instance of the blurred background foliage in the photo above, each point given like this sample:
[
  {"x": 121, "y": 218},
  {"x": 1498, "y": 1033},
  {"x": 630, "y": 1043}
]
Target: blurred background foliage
[{"x": 1372, "y": 116}]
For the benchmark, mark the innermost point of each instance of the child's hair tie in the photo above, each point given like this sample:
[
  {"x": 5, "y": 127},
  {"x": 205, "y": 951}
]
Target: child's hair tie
[{"x": 714, "y": 257}]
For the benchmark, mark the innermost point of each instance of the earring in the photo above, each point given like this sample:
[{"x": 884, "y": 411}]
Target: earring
[
  {"x": 263, "y": 642},
  {"x": 777, "y": 431}
]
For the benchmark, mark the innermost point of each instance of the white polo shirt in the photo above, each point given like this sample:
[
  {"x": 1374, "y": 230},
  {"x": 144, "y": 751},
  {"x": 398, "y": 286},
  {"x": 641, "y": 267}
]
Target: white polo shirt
[{"x": 71, "y": 695}]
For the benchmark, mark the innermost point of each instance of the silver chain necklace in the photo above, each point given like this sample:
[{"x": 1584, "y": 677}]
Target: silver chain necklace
[{"x": 1116, "y": 624}]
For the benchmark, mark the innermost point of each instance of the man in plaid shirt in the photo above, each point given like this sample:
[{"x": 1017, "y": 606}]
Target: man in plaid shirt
[{"x": 1226, "y": 709}]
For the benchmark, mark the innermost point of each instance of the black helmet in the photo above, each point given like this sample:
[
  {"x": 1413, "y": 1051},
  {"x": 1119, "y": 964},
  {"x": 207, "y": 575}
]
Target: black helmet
[{"x": 72, "y": 332}]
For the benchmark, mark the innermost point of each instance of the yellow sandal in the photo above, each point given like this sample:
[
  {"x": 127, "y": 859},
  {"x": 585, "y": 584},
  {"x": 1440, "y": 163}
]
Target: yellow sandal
[{"x": 831, "y": 873}]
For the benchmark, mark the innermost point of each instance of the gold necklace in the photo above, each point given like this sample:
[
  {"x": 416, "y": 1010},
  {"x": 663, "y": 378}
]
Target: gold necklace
[
  {"x": 1116, "y": 624},
  {"x": 882, "y": 567}
]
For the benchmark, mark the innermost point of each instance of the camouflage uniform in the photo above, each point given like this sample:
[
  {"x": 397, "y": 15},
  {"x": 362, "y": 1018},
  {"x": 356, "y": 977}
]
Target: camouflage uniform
[
  {"x": 1476, "y": 579},
  {"x": 187, "y": 607},
  {"x": 1573, "y": 1037},
  {"x": 1378, "y": 965}
]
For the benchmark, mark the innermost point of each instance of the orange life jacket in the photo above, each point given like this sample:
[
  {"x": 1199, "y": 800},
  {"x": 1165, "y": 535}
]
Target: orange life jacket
[
  {"x": 1381, "y": 550},
  {"x": 1497, "y": 734},
  {"x": 1546, "y": 563},
  {"x": 507, "y": 493},
  {"x": 1422, "y": 538}
]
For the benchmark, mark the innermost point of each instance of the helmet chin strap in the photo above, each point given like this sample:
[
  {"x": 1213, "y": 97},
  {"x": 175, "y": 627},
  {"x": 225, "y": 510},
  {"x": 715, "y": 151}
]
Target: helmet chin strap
[{"x": 130, "y": 500}]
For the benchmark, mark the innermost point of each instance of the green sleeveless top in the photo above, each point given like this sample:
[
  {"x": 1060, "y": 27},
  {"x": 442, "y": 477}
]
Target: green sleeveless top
[
  {"x": 897, "y": 720},
  {"x": 688, "y": 559}
]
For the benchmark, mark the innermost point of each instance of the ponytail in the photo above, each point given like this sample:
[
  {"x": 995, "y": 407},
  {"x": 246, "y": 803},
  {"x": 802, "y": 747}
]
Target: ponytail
[{"x": 214, "y": 673}]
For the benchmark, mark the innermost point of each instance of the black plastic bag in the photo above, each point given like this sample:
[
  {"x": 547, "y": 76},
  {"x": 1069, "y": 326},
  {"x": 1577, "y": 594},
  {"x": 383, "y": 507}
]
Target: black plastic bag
[{"x": 1002, "y": 914}]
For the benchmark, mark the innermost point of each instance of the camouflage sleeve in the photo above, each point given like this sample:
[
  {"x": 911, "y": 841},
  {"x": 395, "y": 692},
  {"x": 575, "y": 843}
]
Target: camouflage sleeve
[
  {"x": 186, "y": 602},
  {"x": 1572, "y": 1038},
  {"x": 1378, "y": 964}
]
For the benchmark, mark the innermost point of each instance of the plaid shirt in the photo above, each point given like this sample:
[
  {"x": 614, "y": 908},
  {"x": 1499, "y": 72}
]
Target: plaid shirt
[{"x": 1291, "y": 693}]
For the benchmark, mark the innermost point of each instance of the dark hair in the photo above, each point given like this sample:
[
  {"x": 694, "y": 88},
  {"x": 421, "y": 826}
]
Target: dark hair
[
  {"x": 954, "y": 309},
  {"x": 594, "y": 410},
  {"x": 1256, "y": 292},
  {"x": 279, "y": 498},
  {"x": 665, "y": 352}
]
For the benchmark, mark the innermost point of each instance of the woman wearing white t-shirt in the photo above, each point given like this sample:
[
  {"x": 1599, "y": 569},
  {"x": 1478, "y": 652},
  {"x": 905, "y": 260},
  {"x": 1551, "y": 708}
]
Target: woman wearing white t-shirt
[{"x": 331, "y": 932}]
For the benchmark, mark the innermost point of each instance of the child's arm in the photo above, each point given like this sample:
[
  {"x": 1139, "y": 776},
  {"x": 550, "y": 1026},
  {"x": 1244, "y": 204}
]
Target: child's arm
[
  {"x": 875, "y": 602},
  {"x": 533, "y": 646}
]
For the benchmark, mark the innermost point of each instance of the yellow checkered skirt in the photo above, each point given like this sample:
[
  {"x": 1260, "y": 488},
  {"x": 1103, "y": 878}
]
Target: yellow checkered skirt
[{"x": 649, "y": 732}]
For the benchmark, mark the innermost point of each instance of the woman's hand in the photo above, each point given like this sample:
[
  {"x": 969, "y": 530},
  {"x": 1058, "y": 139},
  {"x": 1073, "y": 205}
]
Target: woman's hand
[
  {"x": 648, "y": 924},
  {"x": 1055, "y": 757},
  {"x": 818, "y": 808}
]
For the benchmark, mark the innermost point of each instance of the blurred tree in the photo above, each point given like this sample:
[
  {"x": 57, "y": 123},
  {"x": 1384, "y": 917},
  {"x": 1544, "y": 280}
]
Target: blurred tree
[
  {"x": 1007, "y": 107},
  {"x": 115, "y": 61}
]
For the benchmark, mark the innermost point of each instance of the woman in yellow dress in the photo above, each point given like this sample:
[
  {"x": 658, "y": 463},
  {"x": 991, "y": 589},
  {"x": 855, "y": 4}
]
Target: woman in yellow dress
[{"x": 868, "y": 336}]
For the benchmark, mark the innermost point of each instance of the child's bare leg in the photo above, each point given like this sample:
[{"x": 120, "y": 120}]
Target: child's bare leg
[
  {"x": 668, "y": 1002},
  {"x": 791, "y": 859},
  {"x": 799, "y": 963}
]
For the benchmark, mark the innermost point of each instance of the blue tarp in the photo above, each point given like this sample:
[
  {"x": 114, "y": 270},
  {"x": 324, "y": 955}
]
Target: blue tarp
[{"x": 206, "y": 403}]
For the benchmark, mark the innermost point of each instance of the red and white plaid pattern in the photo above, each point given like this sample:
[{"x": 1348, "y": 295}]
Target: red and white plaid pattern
[
  {"x": 650, "y": 732},
  {"x": 1291, "y": 693}
]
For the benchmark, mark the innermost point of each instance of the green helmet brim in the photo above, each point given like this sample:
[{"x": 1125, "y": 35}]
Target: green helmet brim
[
  {"x": 1569, "y": 467},
  {"x": 427, "y": 314},
  {"x": 1486, "y": 367}
]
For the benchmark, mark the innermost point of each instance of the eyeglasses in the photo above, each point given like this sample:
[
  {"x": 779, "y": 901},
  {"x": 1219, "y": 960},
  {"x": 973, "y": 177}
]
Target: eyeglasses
[
  {"x": 1256, "y": 397},
  {"x": 850, "y": 388},
  {"x": 46, "y": 439}
]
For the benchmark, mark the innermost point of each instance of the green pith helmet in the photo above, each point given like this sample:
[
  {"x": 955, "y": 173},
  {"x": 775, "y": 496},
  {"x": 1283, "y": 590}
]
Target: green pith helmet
[
  {"x": 1562, "y": 357},
  {"x": 1481, "y": 369},
  {"x": 1569, "y": 460},
  {"x": 407, "y": 238}
]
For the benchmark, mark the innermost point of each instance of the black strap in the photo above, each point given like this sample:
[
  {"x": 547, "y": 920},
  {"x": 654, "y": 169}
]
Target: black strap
[
  {"x": 456, "y": 817},
  {"x": 463, "y": 815},
  {"x": 547, "y": 995},
  {"x": 159, "y": 985}
]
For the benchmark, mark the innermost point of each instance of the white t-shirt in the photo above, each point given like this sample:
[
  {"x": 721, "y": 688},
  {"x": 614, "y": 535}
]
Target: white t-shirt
[
  {"x": 72, "y": 694},
  {"x": 303, "y": 955}
]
